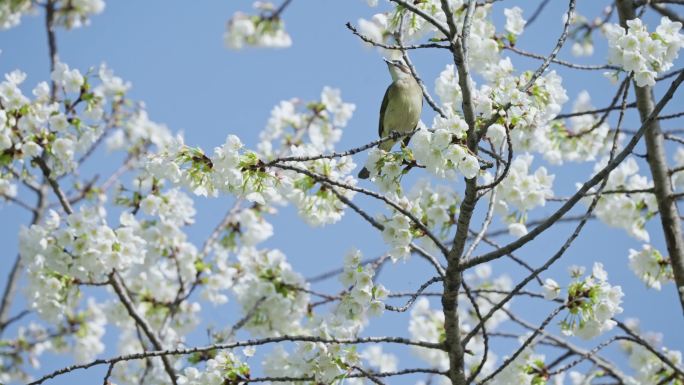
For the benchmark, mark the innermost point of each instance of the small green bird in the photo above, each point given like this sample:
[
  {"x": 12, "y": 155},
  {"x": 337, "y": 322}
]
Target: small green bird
[{"x": 401, "y": 106}]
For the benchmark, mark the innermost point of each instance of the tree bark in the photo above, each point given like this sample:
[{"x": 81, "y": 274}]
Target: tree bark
[{"x": 657, "y": 162}]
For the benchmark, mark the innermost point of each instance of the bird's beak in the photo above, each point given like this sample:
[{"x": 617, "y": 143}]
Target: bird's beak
[{"x": 389, "y": 62}]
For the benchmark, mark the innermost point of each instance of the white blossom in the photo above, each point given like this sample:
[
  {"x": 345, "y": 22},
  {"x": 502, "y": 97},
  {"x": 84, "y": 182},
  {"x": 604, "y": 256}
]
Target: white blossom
[
  {"x": 650, "y": 266},
  {"x": 551, "y": 289},
  {"x": 257, "y": 31},
  {"x": 627, "y": 211},
  {"x": 514, "y": 20},
  {"x": 645, "y": 54},
  {"x": 592, "y": 303}
]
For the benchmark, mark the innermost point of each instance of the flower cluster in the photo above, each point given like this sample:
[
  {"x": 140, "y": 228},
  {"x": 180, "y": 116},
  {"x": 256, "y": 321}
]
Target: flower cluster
[
  {"x": 529, "y": 112},
  {"x": 527, "y": 368},
  {"x": 250, "y": 227},
  {"x": 265, "y": 278},
  {"x": 320, "y": 205},
  {"x": 581, "y": 141},
  {"x": 223, "y": 368},
  {"x": 76, "y": 13},
  {"x": 643, "y": 53},
  {"x": 376, "y": 29},
  {"x": 174, "y": 258},
  {"x": 399, "y": 230},
  {"x": 650, "y": 266},
  {"x": 64, "y": 126},
  {"x": 583, "y": 43},
  {"x": 447, "y": 87},
  {"x": 435, "y": 207},
  {"x": 50, "y": 251},
  {"x": 11, "y": 11},
  {"x": 522, "y": 191},
  {"x": 439, "y": 205},
  {"x": 514, "y": 20},
  {"x": 328, "y": 362},
  {"x": 7, "y": 188},
  {"x": 246, "y": 228},
  {"x": 67, "y": 13},
  {"x": 32, "y": 340},
  {"x": 387, "y": 168},
  {"x": 592, "y": 303},
  {"x": 482, "y": 42},
  {"x": 365, "y": 297},
  {"x": 628, "y": 210},
  {"x": 138, "y": 131},
  {"x": 264, "y": 30},
  {"x": 381, "y": 361},
  {"x": 60, "y": 127},
  {"x": 440, "y": 151},
  {"x": 52, "y": 290},
  {"x": 172, "y": 206},
  {"x": 248, "y": 174},
  {"x": 649, "y": 368},
  {"x": 190, "y": 167},
  {"x": 321, "y": 121}
]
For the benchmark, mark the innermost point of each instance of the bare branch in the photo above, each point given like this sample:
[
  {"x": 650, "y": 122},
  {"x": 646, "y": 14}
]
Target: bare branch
[
  {"x": 392, "y": 47},
  {"x": 414, "y": 296},
  {"x": 561, "y": 62}
]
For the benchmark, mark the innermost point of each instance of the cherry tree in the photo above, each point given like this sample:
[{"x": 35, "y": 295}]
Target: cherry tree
[{"x": 114, "y": 254}]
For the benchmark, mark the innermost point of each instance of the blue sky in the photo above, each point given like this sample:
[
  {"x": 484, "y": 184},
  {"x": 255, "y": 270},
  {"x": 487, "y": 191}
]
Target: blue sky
[{"x": 173, "y": 54}]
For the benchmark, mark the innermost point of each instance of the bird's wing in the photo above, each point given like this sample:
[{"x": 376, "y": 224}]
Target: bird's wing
[{"x": 383, "y": 107}]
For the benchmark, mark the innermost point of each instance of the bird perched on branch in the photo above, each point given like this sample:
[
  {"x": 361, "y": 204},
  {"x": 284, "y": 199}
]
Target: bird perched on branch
[{"x": 401, "y": 106}]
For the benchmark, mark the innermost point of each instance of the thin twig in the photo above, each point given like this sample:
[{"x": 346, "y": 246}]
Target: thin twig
[
  {"x": 414, "y": 296},
  {"x": 392, "y": 47},
  {"x": 561, "y": 62}
]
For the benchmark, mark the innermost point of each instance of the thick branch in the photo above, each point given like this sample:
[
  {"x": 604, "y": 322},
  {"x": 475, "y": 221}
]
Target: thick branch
[
  {"x": 453, "y": 279},
  {"x": 657, "y": 162}
]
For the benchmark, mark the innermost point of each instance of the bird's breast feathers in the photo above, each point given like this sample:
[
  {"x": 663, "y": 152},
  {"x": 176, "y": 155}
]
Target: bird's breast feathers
[{"x": 404, "y": 107}]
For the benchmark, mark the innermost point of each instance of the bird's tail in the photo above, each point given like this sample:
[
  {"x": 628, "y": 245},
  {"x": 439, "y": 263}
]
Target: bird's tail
[{"x": 364, "y": 173}]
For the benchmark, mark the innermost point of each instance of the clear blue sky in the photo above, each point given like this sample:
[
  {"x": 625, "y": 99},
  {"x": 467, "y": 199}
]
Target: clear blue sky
[{"x": 173, "y": 54}]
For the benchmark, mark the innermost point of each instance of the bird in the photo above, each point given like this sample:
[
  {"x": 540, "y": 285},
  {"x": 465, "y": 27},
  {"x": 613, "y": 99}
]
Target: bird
[{"x": 401, "y": 106}]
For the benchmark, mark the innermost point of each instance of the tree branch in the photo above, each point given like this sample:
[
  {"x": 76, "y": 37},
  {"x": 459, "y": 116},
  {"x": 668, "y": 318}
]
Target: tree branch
[{"x": 657, "y": 162}]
